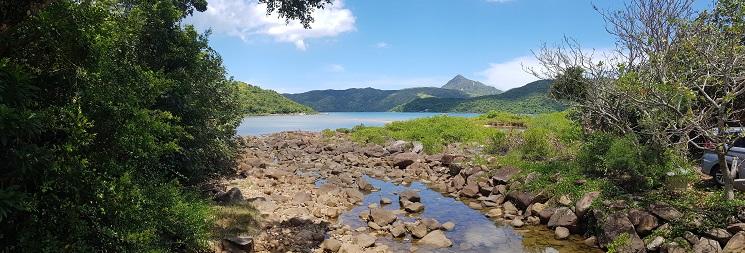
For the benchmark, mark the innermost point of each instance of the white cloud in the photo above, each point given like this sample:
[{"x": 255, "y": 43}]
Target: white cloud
[
  {"x": 382, "y": 45},
  {"x": 247, "y": 18},
  {"x": 335, "y": 68},
  {"x": 509, "y": 74}
]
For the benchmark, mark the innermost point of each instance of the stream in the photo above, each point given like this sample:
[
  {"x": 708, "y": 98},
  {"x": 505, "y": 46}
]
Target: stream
[{"x": 473, "y": 232}]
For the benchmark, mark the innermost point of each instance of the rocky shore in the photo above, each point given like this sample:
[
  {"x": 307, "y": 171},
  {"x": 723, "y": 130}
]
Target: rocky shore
[{"x": 300, "y": 182}]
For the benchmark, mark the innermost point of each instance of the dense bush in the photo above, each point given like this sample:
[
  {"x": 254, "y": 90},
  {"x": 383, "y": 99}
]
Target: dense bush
[
  {"x": 258, "y": 101},
  {"x": 550, "y": 136},
  {"x": 109, "y": 112},
  {"x": 627, "y": 162}
]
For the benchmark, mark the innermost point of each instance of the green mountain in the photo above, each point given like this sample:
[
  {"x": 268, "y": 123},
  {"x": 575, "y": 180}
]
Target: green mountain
[
  {"x": 258, "y": 101},
  {"x": 529, "y": 99},
  {"x": 368, "y": 99},
  {"x": 473, "y": 88}
]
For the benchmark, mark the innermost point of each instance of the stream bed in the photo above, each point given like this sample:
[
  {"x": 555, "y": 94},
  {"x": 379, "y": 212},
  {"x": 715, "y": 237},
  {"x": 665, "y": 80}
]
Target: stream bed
[{"x": 473, "y": 231}]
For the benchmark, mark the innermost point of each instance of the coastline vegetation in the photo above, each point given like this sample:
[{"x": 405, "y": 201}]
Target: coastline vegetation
[
  {"x": 554, "y": 153},
  {"x": 258, "y": 101}
]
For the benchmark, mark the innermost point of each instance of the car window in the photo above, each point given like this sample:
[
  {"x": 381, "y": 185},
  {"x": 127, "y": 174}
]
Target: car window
[{"x": 740, "y": 143}]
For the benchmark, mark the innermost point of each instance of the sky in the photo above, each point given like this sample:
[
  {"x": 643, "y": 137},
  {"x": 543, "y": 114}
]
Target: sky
[{"x": 394, "y": 44}]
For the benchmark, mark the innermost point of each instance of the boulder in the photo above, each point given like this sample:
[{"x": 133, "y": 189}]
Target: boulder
[
  {"x": 503, "y": 175},
  {"x": 617, "y": 224},
  {"x": 412, "y": 207},
  {"x": 398, "y": 230},
  {"x": 417, "y": 229},
  {"x": 736, "y": 243},
  {"x": 591, "y": 241},
  {"x": 232, "y": 196},
  {"x": 382, "y": 216},
  {"x": 397, "y": 147},
  {"x": 301, "y": 197},
  {"x": 448, "y": 226},
  {"x": 417, "y": 147},
  {"x": 364, "y": 185},
  {"x": 354, "y": 195},
  {"x": 584, "y": 203},
  {"x": 706, "y": 245},
  {"x": 656, "y": 243},
  {"x": 665, "y": 212},
  {"x": 435, "y": 239},
  {"x": 546, "y": 214},
  {"x": 331, "y": 245},
  {"x": 523, "y": 199},
  {"x": 563, "y": 217},
  {"x": 403, "y": 160},
  {"x": 517, "y": 222},
  {"x": 736, "y": 228},
  {"x": 409, "y": 195},
  {"x": 495, "y": 213},
  {"x": 561, "y": 233},
  {"x": 533, "y": 221},
  {"x": 238, "y": 244},
  {"x": 471, "y": 190},
  {"x": 643, "y": 221},
  {"x": 364, "y": 240},
  {"x": 458, "y": 182},
  {"x": 350, "y": 248},
  {"x": 718, "y": 234},
  {"x": 431, "y": 224}
]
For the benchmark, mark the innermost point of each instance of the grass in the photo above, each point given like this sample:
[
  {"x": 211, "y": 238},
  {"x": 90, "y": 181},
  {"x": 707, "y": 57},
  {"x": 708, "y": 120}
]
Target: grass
[
  {"x": 235, "y": 219},
  {"x": 548, "y": 147}
]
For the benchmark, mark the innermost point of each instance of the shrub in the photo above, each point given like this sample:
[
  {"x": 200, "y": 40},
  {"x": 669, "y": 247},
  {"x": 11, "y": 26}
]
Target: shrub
[{"x": 626, "y": 162}]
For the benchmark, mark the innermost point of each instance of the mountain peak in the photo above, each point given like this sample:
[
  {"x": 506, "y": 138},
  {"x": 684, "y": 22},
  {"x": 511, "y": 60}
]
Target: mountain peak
[{"x": 474, "y": 88}]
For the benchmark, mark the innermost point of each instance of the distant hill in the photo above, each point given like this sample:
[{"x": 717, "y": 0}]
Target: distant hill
[
  {"x": 528, "y": 99},
  {"x": 368, "y": 99},
  {"x": 258, "y": 101},
  {"x": 473, "y": 88}
]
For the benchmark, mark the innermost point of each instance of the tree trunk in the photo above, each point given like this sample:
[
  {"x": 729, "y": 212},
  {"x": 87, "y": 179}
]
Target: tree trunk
[{"x": 727, "y": 176}]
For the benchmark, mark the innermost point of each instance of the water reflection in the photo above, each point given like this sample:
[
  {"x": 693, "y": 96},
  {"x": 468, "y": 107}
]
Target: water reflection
[{"x": 473, "y": 231}]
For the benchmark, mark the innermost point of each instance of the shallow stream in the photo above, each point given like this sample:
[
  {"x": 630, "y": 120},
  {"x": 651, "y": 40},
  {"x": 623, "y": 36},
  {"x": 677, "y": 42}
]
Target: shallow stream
[{"x": 473, "y": 231}]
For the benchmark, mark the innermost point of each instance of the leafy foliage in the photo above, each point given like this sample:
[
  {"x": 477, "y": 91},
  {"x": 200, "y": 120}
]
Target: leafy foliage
[
  {"x": 258, "y": 101},
  {"x": 110, "y": 112}
]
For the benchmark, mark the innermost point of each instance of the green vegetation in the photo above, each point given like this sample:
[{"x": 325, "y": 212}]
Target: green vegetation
[
  {"x": 473, "y": 88},
  {"x": 434, "y": 132},
  {"x": 554, "y": 154},
  {"x": 112, "y": 114},
  {"x": 368, "y": 99},
  {"x": 530, "y": 99},
  {"x": 258, "y": 101}
]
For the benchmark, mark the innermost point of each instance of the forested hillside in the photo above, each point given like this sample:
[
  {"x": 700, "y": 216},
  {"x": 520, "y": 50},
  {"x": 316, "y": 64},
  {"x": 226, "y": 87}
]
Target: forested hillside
[
  {"x": 258, "y": 101},
  {"x": 368, "y": 99},
  {"x": 473, "y": 88},
  {"x": 529, "y": 99}
]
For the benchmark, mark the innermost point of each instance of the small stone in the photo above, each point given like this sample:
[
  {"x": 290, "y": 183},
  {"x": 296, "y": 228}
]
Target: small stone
[
  {"x": 373, "y": 225},
  {"x": 448, "y": 226},
  {"x": 398, "y": 230},
  {"x": 561, "y": 233},
  {"x": 564, "y": 200},
  {"x": 591, "y": 241},
  {"x": 517, "y": 222},
  {"x": 431, "y": 224},
  {"x": 533, "y": 221},
  {"x": 475, "y": 205},
  {"x": 385, "y": 201},
  {"x": 494, "y": 213},
  {"x": 373, "y": 205}
]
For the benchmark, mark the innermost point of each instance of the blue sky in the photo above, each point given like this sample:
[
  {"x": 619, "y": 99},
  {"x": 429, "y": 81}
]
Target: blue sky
[{"x": 393, "y": 44}]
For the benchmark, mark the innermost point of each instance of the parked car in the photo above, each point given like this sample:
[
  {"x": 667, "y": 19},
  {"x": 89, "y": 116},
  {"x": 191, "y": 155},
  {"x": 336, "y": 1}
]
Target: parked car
[{"x": 710, "y": 161}]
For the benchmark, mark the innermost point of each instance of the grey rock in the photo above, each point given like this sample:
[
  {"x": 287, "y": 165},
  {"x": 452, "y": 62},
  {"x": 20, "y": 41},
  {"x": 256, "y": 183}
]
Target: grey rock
[
  {"x": 561, "y": 233},
  {"x": 563, "y": 217},
  {"x": 435, "y": 239},
  {"x": 706, "y": 245}
]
